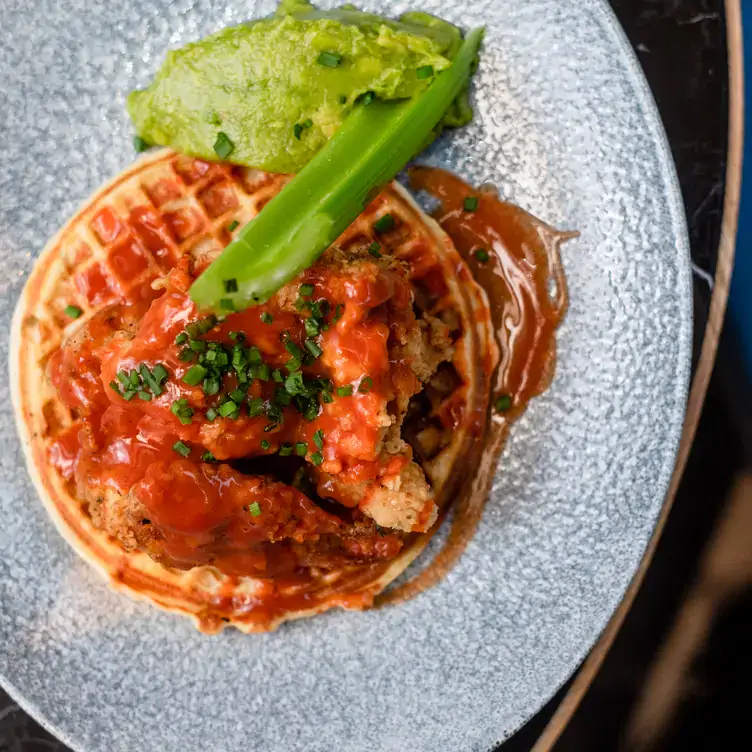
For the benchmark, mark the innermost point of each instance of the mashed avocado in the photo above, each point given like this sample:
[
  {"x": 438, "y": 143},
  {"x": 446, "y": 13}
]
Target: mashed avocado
[{"x": 270, "y": 93}]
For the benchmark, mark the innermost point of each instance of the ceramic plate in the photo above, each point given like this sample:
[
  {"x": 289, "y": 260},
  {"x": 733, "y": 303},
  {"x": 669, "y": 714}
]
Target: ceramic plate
[{"x": 565, "y": 127}]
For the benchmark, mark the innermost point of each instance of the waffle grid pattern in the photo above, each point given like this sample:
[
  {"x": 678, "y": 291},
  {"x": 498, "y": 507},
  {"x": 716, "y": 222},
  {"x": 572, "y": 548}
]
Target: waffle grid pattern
[{"x": 129, "y": 235}]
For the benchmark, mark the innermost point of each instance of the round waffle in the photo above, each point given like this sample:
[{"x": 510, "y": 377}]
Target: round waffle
[{"x": 132, "y": 231}]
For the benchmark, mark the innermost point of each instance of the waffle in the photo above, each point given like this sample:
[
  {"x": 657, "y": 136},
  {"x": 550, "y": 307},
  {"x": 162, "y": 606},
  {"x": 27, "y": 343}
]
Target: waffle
[{"x": 129, "y": 234}]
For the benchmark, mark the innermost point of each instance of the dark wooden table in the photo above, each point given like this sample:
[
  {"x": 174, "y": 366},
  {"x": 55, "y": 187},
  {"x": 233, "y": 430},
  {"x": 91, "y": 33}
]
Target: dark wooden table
[{"x": 682, "y": 47}]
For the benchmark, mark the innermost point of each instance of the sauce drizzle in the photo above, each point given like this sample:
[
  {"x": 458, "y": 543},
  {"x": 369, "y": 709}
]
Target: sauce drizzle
[{"x": 523, "y": 277}]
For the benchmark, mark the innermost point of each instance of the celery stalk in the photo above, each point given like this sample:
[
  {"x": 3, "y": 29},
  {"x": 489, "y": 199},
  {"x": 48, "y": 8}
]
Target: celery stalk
[{"x": 312, "y": 210}]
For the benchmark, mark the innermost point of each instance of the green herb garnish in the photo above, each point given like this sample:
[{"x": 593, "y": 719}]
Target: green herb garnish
[
  {"x": 181, "y": 448},
  {"x": 503, "y": 403},
  {"x": 140, "y": 145},
  {"x": 329, "y": 59},
  {"x": 72, "y": 311},
  {"x": 223, "y": 146},
  {"x": 384, "y": 224},
  {"x": 194, "y": 375}
]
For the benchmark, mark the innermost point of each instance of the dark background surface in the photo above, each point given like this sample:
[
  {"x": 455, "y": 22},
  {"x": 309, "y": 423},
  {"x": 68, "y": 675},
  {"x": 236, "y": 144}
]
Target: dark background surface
[{"x": 681, "y": 45}]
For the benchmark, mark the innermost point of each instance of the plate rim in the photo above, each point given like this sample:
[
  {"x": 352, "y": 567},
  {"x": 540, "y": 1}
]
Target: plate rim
[{"x": 610, "y": 27}]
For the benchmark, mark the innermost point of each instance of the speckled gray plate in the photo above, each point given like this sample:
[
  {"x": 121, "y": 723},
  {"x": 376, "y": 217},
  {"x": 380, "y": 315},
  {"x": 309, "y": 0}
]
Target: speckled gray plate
[{"x": 566, "y": 127}]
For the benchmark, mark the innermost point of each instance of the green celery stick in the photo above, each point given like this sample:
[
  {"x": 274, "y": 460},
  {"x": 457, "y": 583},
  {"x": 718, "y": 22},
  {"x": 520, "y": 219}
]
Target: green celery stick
[{"x": 312, "y": 210}]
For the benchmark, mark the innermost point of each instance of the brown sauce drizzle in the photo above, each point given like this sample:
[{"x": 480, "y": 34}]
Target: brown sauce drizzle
[{"x": 523, "y": 277}]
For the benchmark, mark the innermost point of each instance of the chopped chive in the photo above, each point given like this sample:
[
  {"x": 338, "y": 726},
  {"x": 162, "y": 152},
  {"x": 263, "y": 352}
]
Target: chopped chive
[
  {"x": 294, "y": 383},
  {"x": 255, "y": 407},
  {"x": 281, "y": 397},
  {"x": 306, "y": 291},
  {"x": 227, "y": 304},
  {"x": 266, "y": 317},
  {"x": 182, "y": 337},
  {"x": 312, "y": 327},
  {"x": 313, "y": 348},
  {"x": 208, "y": 457},
  {"x": 277, "y": 376},
  {"x": 149, "y": 380},
  {"x": 482, "y": 255},
  {"x": 470, "y": 203},
  {"x": 134, "y": 378},
  {"x": 140, "y": 145},
  {"x": 293, "y": 349},
  {"x": 285, "y": 450},
  {"x": 194, "y": 329},
  {"x": 205, "y": 325},
  {"x": 237, "y": 395},
  {"x": 329, "y": 59},
  {"x": 383, "y": 224},
  {"x": 375, "y": 250},
  {"x": 327, "y": 398},
  {"x": 366, "y": 98},
  {"x": 254, "y": 356},
  {"x": 211, "y": 386},
  {"x": 211, "y": 356},
  {"x": 317, "y": 458},
  {"x": 301, "y": 448},
  {"x": 194, "y": 374},
  {"x": 311, "y": 411},
  {"x": 231, "y": 285},
  {"x": 344, "y": 391},
  {"x": 425, "y": 71},
  {"x": 254, "y": 509},
  {"x": 298, "y": 128},
  {"x": 338, "y": 311},
  {"x": 233, "y": 225},
  {"x": 73, "y": 311},
  {"x": 115, "y": 387},
  {"x": 293, "y": 364},
  {"x": 223, "y": 146},
  {"x": 145, "y": 396},
  {"x": 187, "y": 355},
  {"x": 181, "y": 448},
  {"x": 197, "y": 345},
  {"x": 503, "y": 403},
  {"x": 261, "y": 372},
  {"x": 123, "y": 378},
  {"x": 237, "y": 336},
  {"x": 320, "y": 308},
  {"x": 211, "y": 414},
  {"x": 318, "y": 439},
  {"x": 178, "y": 405},
  {"x": 366, "y": 384},
  {"x": 265, "y": 444},
  {"x": 226, "y": 409},
  {"x": 160, "y": 373},
  {"x": 129, "y": 394}
]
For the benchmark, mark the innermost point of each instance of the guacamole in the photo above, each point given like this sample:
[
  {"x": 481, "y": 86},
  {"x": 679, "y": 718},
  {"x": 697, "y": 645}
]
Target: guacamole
[{"x": 270, "y": 93}]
